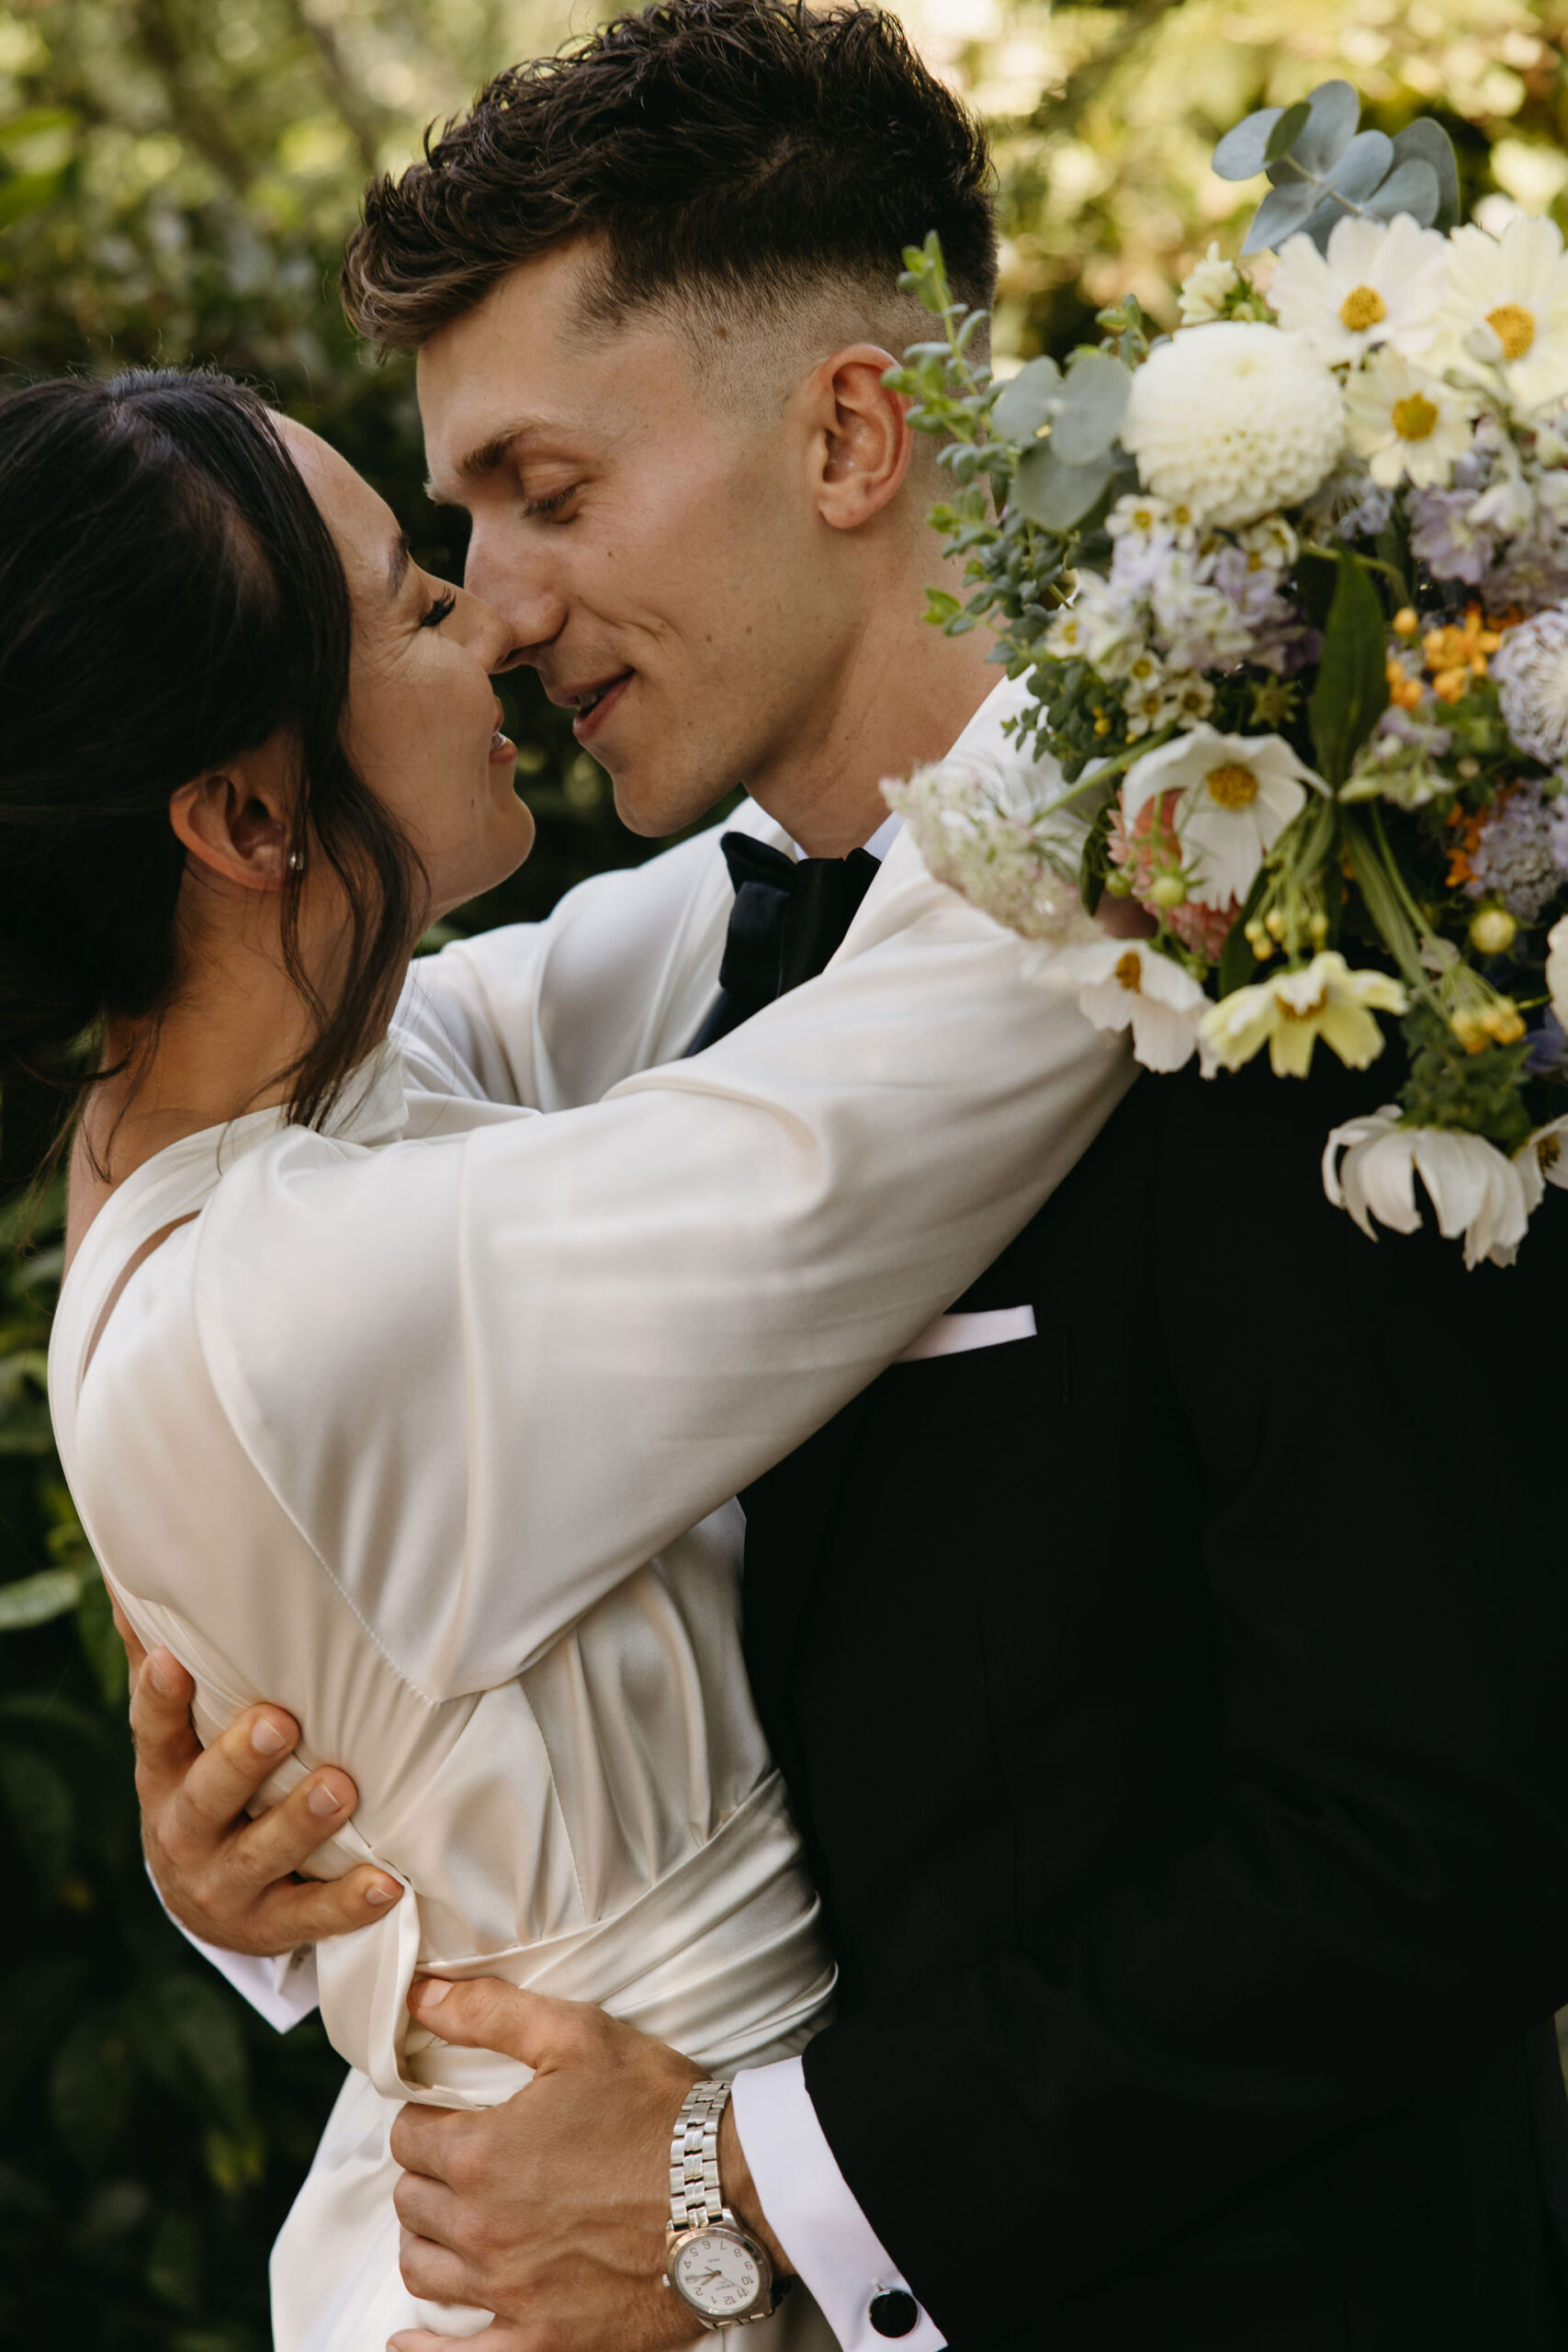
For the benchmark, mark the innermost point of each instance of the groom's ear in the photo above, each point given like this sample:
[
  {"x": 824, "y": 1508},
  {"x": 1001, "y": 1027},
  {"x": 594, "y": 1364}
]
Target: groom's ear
[
  {"x": 236, "y": 822},
  {"x": 862, "y": 436}
]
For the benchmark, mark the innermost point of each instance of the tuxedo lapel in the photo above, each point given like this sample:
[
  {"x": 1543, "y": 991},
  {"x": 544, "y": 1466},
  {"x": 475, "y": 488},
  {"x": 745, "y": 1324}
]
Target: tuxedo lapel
[{"x": 788, "y": 1511}]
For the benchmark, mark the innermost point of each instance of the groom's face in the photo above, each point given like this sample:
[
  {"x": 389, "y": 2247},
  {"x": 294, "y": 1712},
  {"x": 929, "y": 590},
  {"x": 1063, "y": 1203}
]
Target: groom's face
[{"x": 649, "y": 528}]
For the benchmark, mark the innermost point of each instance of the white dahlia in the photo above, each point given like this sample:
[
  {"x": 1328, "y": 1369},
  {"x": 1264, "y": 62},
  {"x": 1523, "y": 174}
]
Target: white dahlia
[
  {"x": 1508, "y": 308},
  {"x": 1530, "y": 668},
  {"x": 1406, "y": 421},
  {"x": 1374, "y": 285},
  {"x": 1233, "y": 420}
]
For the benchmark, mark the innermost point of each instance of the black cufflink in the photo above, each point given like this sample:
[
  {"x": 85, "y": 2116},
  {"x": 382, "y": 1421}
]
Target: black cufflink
[{"x": 894, "y": 2312}]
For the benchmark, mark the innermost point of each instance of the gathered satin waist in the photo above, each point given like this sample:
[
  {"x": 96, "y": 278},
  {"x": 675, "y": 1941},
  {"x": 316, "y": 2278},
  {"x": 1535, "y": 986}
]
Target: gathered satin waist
[{"x": 722, "y": 1957}]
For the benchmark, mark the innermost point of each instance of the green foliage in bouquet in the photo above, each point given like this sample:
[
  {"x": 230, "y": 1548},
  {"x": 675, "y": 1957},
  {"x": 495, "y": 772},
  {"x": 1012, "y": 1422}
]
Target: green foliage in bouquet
[{"x": 1290, "y": 591}]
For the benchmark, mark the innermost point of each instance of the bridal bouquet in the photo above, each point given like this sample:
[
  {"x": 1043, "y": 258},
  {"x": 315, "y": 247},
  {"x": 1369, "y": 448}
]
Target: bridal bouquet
[{"x": 1290, "y": 588}]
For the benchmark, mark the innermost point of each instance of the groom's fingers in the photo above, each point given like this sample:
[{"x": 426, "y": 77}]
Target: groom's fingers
[{"x": 487, "y": 2014}]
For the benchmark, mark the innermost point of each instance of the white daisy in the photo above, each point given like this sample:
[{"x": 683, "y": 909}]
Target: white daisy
[
  {"x": 1475, "y": 1188},
  {"x": 1375, "y": 285},
  {"x": 1508, "y": 309},
  {"x": 1238, "y": 794},
  {"x": 1406, "y": 422},
  {"x": 1128, "y": 983}
]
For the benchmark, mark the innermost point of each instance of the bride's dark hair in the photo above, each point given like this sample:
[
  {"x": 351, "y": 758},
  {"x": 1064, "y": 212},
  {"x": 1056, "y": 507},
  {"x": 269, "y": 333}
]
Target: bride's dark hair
[{"x": 172, "y": 599}]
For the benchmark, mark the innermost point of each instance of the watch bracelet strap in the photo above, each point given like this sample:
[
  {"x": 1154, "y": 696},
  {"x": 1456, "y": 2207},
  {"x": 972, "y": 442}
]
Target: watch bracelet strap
[{"x": 695, "y": 2200}]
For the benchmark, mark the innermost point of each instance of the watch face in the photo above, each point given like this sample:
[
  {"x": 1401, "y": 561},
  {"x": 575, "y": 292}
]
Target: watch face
[{"x": 717, "y": 2274}]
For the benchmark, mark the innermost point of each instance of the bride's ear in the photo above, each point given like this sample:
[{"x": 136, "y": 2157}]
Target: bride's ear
[{"x": 238, "y": 821}]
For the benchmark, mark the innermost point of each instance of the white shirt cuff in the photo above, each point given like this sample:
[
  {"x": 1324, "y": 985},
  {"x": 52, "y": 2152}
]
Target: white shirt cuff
[
  {"x": 281, "y": 1989},
  {"x": 813, "y": 2212}
]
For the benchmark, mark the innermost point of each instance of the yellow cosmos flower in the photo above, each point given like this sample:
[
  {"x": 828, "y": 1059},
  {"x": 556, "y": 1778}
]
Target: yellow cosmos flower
[{"x": 1291, "y": 1011}]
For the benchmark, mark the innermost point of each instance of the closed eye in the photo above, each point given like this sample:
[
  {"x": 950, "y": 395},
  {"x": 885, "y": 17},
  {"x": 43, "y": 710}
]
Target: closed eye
[
  {"x": 444, "y": 605},
  {"x": 541, "y": 509}
]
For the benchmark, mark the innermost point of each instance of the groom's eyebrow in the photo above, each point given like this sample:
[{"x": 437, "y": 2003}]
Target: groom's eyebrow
[{"x": 484, "y": 460}]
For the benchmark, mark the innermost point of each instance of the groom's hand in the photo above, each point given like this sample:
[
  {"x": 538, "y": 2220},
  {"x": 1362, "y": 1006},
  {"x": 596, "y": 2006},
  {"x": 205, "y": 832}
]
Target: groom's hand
[
  {"x": 225, "y": 1877},
  {"x": 551, "y": 2210}
]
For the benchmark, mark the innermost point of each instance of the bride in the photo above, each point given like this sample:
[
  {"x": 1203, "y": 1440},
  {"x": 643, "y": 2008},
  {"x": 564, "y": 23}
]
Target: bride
[{"x": 416, "y": 1411}]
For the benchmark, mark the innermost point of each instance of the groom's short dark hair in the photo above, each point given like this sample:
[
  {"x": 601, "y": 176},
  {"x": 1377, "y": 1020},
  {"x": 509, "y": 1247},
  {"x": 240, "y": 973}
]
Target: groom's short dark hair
[{"x": 733, "y": 158}]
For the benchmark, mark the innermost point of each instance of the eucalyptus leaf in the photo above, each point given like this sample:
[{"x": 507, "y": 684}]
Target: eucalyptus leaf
[
  {"x": 1025, "y": 404},
  {"x": 1352, "y": 683},
  {"x": 1362, "y": 167},
  {"x": 1283, "y": 211},
  {"x": 1412, "y": 186},
  {"x": 1427, "y": 141},
  {"x": 1287, "y": 131},
  {"x": 1055, "y": 496},
  {"x": 1333, "y": 111},
  {"x": 1094, "y": 402},
  {"x": 1243, "y": 152}
]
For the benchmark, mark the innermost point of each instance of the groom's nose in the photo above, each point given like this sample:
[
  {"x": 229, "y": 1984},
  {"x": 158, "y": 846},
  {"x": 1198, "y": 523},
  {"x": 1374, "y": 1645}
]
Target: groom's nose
[{"x": 508, "y": 568}]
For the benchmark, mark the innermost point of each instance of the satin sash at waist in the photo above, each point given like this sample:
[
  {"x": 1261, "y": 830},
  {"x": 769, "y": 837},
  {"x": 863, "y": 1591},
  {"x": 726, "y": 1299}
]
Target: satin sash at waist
[{"x": 721, "y": 1957}]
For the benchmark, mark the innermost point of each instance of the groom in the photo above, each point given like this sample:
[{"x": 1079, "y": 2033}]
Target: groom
[{"x": 1175, "y": 1732}]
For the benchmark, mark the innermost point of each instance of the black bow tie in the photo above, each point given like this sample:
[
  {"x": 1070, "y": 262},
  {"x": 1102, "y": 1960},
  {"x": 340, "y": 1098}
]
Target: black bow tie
[{"x": 789, "y": 917}]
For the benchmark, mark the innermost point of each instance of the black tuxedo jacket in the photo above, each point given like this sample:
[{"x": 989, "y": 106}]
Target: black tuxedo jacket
[{"x": 1174, "y": 1705}]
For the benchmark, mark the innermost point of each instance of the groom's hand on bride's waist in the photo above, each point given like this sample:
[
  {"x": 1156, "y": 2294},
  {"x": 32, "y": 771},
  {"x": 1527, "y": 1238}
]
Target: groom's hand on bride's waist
[
  {"x": 224, "y": 1877},
  {"x": 551, "y": 2210}
]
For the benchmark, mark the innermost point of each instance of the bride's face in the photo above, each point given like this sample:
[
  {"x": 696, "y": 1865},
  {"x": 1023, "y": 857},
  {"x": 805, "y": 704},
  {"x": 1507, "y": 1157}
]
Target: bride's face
[{"x": 423, "y": 722}]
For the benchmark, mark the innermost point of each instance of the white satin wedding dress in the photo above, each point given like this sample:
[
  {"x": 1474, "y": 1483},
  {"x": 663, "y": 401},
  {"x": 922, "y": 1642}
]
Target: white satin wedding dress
[{"x": 405, "y": 1428}]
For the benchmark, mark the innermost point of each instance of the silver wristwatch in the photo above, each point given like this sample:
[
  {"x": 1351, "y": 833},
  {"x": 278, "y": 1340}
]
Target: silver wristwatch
[{"x": 718, "y": 2270}]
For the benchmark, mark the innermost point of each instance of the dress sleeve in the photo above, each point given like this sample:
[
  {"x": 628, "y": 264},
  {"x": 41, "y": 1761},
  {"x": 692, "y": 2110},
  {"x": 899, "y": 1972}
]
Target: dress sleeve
[
  {"x": 491, "y": 1375},
  {"x": 552, "y": 1014}
]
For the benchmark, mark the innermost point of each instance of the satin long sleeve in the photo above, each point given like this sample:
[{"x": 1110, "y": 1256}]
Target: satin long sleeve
[
  {"x": 552, "y": 1014},
  {"x": 588, "y": 1330}
]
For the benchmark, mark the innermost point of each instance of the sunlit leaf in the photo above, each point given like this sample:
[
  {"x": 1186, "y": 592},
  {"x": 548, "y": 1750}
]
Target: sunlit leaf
[{"x": 33, "y": 1601}]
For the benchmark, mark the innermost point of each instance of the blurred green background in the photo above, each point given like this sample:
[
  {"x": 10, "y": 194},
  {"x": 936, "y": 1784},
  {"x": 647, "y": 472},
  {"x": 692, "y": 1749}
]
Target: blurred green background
[{"x": 176, "y": 177}]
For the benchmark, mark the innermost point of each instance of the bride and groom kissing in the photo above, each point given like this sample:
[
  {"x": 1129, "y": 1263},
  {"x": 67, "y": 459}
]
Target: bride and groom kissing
[{"x": 1100, "y": 1935}]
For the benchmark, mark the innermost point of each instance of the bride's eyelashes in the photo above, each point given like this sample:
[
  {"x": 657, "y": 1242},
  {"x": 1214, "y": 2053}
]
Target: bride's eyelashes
[{"x": 444, "y": 605}]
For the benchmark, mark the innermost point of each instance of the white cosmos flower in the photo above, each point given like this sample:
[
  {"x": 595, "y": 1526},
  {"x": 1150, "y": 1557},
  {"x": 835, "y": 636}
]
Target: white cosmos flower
[
  {"x": 1557, "y": 968},
  {"x": 1542, "y": 1159},
  {"x": 1375, "y": 285},
  {"x": 1232, "y": 420},
  {"x": 1406, "y": 422},
  {"x": 1508, "y": 308},
  {"x": 1127, "y": 983},
  {"x": 1238, "y": 794},
  {"x": 1291, "y": 1011},
  {"x": 1475, "y": 1188}
]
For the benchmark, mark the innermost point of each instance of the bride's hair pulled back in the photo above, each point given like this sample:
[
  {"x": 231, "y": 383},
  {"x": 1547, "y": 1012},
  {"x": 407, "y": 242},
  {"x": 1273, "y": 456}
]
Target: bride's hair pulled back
[{"x": 172, "y": 599}]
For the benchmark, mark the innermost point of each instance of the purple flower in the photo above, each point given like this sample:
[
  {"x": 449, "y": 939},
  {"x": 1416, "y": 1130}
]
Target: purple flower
[
  {"x": 1451, "y": 547},
  {"x": 1515, "y": 859}
]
